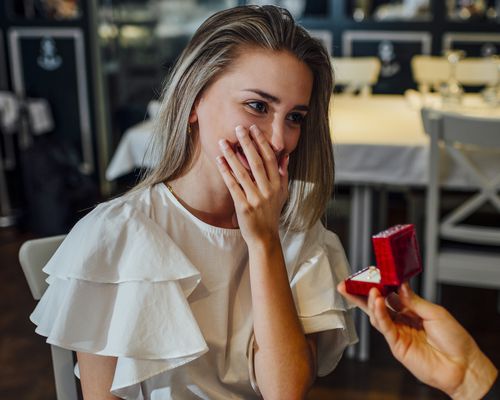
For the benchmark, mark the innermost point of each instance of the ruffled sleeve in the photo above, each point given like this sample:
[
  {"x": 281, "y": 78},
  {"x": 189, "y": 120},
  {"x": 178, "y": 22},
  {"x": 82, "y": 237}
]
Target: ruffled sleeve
[
  {"x": 118, "y": 286},
  {"x": 316, "y": 263}
]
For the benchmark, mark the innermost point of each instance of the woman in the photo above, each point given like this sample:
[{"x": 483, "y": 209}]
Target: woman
[{"x": 214, "y": 278}]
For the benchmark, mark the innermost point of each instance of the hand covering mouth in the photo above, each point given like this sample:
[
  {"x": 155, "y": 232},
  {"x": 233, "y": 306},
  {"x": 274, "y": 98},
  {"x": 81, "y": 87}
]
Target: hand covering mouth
[{"x": 242, "y": 157}]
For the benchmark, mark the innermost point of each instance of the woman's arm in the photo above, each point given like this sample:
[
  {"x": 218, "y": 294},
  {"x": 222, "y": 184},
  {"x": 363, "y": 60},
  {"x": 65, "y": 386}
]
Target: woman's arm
[
  {"x": 284, "y": 360},
  {"x": 285, "y": 363},
  {"x": 96, "y": 376}
]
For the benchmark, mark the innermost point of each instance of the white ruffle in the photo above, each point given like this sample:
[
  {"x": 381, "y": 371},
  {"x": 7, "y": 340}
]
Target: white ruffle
[
  {"x": 116, "y": 243},
  {"x": 118, "y": 286},
  {"x": 321, "y": 265}
]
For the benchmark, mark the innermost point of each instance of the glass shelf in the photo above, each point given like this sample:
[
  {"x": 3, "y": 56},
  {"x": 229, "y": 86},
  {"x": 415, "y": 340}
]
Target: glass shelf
[
  {"x": 385, "y": 11},
  {"x": 473, "y": 11},
  {"x": 300, "y": 8},
  {"x": 45, "y": 10}
]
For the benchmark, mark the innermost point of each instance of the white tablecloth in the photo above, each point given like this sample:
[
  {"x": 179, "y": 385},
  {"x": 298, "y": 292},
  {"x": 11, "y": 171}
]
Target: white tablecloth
[
  {"x": 380, "y": 139},
  {"x": 131, "y": 151},
  {"x": 377, "y": 140}
]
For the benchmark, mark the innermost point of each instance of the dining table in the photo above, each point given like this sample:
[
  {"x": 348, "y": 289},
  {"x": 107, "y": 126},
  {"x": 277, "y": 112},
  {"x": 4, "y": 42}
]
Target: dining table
[{"x": 378, "y": 140}]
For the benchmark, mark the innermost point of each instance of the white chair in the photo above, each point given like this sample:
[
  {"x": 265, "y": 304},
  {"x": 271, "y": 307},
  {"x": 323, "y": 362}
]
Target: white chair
[
  {"x": 356, "y": 73},
  {"x": 478, "y": 71},
  {"x": 430, "y": 71},
  {"x": 33, "y": 256},
  {"x": 476, "y": 263}
]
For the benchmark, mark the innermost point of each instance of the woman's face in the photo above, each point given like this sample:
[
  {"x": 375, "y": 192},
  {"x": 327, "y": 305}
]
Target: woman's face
[{"x": 269, "y": 89}]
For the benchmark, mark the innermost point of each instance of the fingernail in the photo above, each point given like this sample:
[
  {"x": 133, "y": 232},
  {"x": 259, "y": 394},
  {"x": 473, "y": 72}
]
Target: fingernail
[
  {"x": 223, "y": 144},
  {"x": 240, "y": 131},
  {"x": 220, "y": 160},
  {"x": 255, "y": 129}
]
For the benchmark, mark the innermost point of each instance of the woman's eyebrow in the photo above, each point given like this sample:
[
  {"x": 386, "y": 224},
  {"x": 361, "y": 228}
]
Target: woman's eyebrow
[{"x": 273, "y": 99}]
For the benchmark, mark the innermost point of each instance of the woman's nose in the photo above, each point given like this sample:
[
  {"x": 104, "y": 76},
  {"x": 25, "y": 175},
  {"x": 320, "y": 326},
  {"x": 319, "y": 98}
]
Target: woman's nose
[{"x": 277, "y": 137}]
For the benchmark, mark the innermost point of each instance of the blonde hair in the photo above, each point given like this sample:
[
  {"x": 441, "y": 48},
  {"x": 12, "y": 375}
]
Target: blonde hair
[{"x": 213, "y": 48}]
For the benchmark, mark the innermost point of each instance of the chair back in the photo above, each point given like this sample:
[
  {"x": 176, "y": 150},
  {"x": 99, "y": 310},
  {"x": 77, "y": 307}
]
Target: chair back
[
  {"x": 477, "y": 71},
  {"x": 452, "y": 135},
  {"x": 430, "y": 71},
  {"x": 33, "y": 255},
  {"x": 356, "y": 73}
]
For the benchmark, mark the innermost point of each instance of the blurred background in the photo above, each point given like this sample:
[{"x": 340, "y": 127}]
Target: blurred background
[{"x": 79, "y": 80}]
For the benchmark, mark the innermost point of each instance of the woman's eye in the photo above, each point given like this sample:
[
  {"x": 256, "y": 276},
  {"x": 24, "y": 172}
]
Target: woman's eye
[
  {"x": 258, "y": 106},
  {"x": 296, "y": 118}
]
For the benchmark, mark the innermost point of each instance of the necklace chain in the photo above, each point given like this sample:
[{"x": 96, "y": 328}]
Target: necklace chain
[{"x": 171, "y": 189}]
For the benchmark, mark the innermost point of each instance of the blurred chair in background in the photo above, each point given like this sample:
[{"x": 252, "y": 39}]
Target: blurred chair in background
[
  {"x": 356, "y": 74},
  {"x": 431, "y": 71},
  {"x": 477, "y": 71},
  {"x": 462, "y": 247},
  {"x": 33, "y": 255}
]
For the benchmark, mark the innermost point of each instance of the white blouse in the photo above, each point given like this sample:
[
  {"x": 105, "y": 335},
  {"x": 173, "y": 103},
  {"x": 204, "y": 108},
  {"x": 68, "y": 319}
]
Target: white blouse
[{"x": 142, "y": 279}]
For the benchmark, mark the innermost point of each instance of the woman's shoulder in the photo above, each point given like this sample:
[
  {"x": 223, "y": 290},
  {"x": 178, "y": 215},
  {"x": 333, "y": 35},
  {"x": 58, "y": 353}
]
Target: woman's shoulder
[
  {"x": 124, "y": 211},
  {"x": 138, "y": 200},
  {"x": 118, "y": 286},
  {"x": 316, "y": 235},
  {"x": 312, "y": 245},
  {"x": 120, "y": 241}
]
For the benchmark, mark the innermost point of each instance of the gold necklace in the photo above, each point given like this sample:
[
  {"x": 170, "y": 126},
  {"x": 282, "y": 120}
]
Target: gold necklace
[{"x": 171, "y": 189}]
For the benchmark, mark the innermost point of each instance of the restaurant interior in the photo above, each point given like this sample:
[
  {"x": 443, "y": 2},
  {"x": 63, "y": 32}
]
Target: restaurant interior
[{"x": 415, "y": 127}]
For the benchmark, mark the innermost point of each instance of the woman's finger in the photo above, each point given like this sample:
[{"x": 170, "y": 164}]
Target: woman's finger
[
  {"x": 267, "y": 153},
  {"x": 238, "y": 170},
  {"x": 253, "y": 159},
  {"x": 232, "y": 184},
  {"x": 283, "y": 172}
]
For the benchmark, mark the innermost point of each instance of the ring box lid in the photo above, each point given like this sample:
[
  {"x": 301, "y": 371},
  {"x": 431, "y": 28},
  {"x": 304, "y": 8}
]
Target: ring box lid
[{"x": 397, "y": 254}]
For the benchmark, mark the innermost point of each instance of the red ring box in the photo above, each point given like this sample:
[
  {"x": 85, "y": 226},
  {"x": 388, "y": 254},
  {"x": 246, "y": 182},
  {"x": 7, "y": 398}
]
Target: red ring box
[{"x": 398, "y": 259}]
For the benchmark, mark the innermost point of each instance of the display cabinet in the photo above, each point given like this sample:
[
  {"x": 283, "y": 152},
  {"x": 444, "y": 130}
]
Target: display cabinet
[
  {"x": 125, "y": 49},
  {"x": 395, "y": 31},
  {"x": 54, "y": 154},
  {"x": 50, "y": 51},
  {"x": 140, "y": 40}
]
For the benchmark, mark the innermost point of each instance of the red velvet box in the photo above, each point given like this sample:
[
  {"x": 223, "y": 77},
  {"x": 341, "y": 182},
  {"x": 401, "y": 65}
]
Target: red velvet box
[{"x": 398, "y": 259}]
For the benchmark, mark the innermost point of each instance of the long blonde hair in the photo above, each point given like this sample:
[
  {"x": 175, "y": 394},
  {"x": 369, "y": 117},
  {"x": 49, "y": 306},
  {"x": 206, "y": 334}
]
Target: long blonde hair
[{"x": 212, "y": 49}]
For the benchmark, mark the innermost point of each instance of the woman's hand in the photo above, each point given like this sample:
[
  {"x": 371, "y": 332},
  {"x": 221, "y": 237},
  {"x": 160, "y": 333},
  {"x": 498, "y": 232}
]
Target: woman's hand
[
  {"x": 284, "y": 360},
  {"x": 428, "y": 341},
  {"x": 260, "y": 194}
]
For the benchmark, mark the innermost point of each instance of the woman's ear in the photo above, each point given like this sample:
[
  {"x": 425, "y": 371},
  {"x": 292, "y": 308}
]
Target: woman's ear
[{"x": 193, "y": 115}]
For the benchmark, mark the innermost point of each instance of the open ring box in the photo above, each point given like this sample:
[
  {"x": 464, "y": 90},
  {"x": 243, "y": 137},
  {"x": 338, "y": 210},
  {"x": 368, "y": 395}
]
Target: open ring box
[{"x": 398, "y": 259}]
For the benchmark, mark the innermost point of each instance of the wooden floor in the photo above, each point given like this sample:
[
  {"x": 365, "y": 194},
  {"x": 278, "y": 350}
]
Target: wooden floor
[{"x": 26, "y": 371}]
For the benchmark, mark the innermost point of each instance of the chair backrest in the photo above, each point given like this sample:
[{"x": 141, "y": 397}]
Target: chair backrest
[
  {"x": 430, "y": 71},
  {"x": 453, "y": 134},
  {"x": 477, "y": 71},
  {"x": 356, "y": 73},
  {"x": 33, "y": 255}
]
